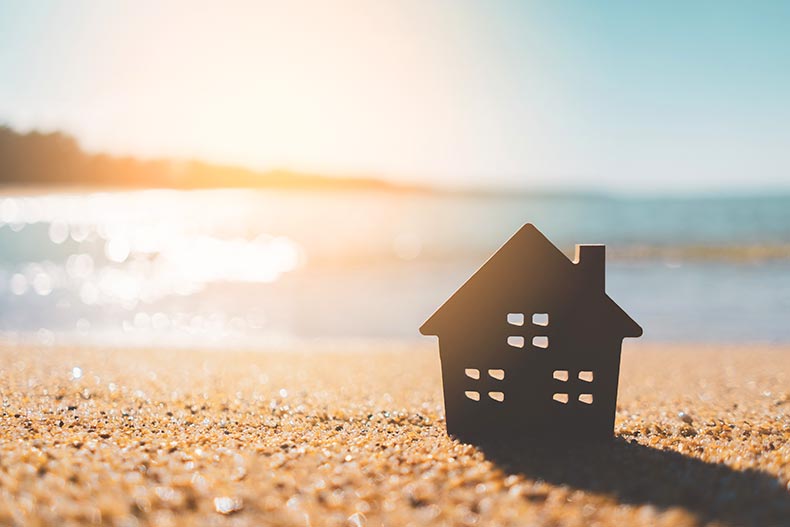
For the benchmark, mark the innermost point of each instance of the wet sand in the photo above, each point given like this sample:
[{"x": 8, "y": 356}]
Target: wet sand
[{"x": 352, "y": 434}]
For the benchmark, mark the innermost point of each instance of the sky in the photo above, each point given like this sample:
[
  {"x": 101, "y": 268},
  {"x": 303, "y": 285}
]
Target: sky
[{"x": 612, "y": 96}]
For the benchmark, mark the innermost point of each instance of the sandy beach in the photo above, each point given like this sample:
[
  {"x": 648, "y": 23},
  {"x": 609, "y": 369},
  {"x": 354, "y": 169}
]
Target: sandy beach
[{"x": 353, "y": 434}]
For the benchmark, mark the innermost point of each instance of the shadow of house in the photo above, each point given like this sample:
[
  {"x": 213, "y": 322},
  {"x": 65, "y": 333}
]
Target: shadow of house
[{"x": 639, "y": 475}]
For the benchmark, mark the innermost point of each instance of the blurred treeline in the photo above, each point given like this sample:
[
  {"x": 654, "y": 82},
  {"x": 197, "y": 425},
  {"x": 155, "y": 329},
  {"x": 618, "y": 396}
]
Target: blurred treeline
[{"x": 55, "y": 158}]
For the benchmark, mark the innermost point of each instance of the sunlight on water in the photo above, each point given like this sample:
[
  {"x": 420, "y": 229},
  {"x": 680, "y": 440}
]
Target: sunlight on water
[
  {"x": 226, "y": 266},
  {"x": 147, "y": 256},
  {"x": 133, "y": 250}
]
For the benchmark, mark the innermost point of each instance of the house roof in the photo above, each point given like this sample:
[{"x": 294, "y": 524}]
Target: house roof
[{"x": 530, "y": 253}]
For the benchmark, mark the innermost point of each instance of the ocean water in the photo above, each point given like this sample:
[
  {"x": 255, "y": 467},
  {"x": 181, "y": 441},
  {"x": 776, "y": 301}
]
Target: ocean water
[{"x": 229, "y": 268}]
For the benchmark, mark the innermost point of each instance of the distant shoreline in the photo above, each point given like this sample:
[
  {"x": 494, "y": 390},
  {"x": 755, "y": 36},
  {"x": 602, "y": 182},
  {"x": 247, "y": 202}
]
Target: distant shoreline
[{"x": 35, "y": 163}]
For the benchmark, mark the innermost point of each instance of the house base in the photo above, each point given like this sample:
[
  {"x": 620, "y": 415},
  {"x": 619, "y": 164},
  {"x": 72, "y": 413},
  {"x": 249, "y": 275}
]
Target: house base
[{"x": 538, "y": 436}]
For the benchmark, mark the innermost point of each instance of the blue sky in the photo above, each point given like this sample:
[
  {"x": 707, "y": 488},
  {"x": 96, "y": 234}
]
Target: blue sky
[{"x": 613, "y": 96}]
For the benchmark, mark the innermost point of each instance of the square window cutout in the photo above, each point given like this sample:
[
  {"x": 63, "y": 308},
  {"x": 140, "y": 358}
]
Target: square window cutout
[
  {"x": 561, "y": 398},
  {"x": 472, "y": 373},
  {"x": 497, "y": 374},
  {"x": 561, "y": 375},
  {"x": 586, "y": 398},
  {"x": 540, "y": 342},
  {"x": 497, "y": 396},
  {"x": 475, "y": 396},
  {"x": 586, "y": 376},
  {"x": 540, "y": 319},
  {"x": 515, "y": 319},
  {"x": 516, "y": 342}
]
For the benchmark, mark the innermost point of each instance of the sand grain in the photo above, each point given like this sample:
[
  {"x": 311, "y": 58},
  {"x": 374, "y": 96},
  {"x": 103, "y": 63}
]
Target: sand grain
[{"x": 353, "y": 435}]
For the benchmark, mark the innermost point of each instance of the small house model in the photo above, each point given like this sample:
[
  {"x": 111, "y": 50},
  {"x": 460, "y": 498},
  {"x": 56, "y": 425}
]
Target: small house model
[{"x": 530, "y": 345}]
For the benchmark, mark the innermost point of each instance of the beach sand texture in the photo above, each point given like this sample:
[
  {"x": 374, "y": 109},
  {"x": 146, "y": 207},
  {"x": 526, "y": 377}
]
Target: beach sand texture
[{"x": 351, "y": 434}]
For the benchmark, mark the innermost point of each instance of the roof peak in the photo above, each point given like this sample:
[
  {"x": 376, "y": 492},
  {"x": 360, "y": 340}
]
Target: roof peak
[{"x": 532, "y": 256}]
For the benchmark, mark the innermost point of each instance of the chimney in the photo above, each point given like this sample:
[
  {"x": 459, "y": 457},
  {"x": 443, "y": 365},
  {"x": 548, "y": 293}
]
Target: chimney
[{"x": 591, "y": 260}]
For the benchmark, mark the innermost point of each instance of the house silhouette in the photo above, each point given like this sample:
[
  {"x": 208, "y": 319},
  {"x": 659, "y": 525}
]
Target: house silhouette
[{"x": 530, "y": 345}]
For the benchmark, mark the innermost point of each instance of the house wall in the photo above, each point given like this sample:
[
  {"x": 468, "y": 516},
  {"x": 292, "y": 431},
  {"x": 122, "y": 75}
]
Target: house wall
[{"x": 577, "y": 341}]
